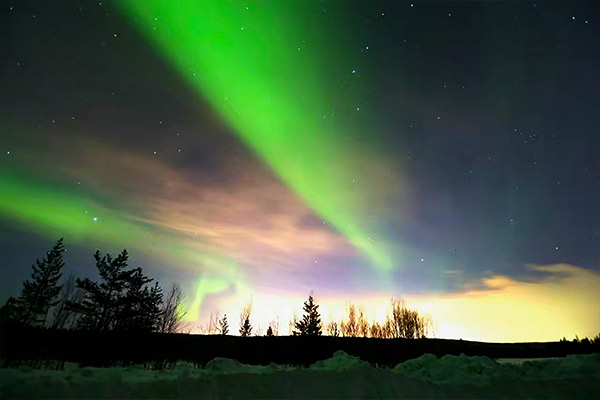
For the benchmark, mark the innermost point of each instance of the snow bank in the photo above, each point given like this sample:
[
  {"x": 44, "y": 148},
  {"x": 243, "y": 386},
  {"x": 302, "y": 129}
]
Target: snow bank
[
  {"x": 482, "y": 370},
  {"x": 340, "y": 362},
  {"x": 342, "y": 376}
]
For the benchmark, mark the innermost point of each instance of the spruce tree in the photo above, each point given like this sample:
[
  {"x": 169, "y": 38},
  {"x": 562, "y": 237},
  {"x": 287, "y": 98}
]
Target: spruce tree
[
  {"x": 41, "y": 292},
  {"x": 224, "y": 325},
  {"x": 246, "y": 328},
  {"x": 310, "y": 325}
]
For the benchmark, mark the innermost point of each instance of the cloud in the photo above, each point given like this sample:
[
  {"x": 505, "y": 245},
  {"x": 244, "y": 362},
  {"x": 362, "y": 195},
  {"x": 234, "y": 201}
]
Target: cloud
[
  {"x": 244, "y": 213},
  {"x": 564, "y": 301}
]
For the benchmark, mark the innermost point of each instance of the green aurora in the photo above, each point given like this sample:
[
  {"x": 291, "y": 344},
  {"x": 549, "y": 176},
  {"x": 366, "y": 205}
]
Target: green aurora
[{"x": 268, "y": 83}]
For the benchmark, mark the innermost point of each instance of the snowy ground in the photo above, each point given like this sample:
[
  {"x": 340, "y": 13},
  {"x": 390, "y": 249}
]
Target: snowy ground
[{"x": 341, "y": 376}]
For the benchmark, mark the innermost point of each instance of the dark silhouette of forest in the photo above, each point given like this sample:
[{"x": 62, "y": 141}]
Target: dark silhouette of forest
[{"x": 124, "y": 317}]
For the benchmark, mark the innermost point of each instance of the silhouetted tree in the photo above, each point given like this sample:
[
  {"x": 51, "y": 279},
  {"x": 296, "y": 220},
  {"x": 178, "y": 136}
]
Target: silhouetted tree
[
  {"x": 41, "y": 292},
  {"x": 223, "y": 325},
  {"x": 63, "y": 316},
  {"x": 122, "y": 300},
  {"x": 376, "y": 331},
  {"x": 269, "y": 331},
  {"x": 101, "y": 302},
  {"x": 349, "y": 327},
  {"x": 362, "y": 324},
  {"x": 333, "y": 329},
  {"x": 406, "y": 323},
  {"x": 274, "y": 325},
  {"x": 245, "y": 326},
  {"x": 140, "y": 307},
  {"x": 172, "y": 314},
  {"x": 10, "y": 311},
  {"x": 310, "y": 324}
]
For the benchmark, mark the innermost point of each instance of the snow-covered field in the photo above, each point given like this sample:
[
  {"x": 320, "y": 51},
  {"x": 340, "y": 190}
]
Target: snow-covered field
[{"x": 341, "y": 376}]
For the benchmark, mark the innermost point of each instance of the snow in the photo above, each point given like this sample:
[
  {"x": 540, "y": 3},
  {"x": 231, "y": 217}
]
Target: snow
[{"x": 342, "y": 376}]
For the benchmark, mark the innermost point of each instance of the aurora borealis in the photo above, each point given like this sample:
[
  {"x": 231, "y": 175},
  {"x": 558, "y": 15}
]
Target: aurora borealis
[{"x": 444, "y": 151}]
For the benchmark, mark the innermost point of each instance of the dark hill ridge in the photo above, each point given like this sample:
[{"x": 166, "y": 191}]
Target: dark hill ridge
[{"x": 108, "y": 348}]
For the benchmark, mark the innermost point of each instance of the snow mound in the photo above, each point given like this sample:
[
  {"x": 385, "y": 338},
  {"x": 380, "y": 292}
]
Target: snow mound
[
  {"x": 451, "y": 368},
  {"x": 341, "y": 361},
  {"x": 572, "y": 366},
  {"x": 228, "y": 366},
  {"x": 342, "y": 376},
  {"x": 477, "y": 369}
]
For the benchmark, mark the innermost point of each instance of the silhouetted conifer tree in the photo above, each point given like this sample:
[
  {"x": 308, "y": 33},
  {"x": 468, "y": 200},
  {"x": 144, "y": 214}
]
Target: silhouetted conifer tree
[
  {"x": 100, "y": 304},
  {"x": 270, "y": 331},
  {"x": 122, "y": 300},
  {"x": 223, "y": 325},
  {"x": 41, "y": 292},
  {"x": 140, "y": 307},
  {"x": 246, "y": 328},
  {"x": 310, "y": 325}
]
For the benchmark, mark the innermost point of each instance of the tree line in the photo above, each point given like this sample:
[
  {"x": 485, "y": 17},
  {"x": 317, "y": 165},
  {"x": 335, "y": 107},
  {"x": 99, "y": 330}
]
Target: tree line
[{"x": 124, "y": 299}]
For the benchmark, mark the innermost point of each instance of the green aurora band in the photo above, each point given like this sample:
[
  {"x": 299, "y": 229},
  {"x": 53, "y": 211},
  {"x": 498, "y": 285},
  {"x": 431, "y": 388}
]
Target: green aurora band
[
  {"x": 54, "y": 210},
  {"x": 253, "y": 66}
]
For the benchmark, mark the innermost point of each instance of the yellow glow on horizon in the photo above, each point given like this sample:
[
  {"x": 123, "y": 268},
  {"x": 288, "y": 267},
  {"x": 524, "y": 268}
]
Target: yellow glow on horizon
[{"x": 565, "y": 303}]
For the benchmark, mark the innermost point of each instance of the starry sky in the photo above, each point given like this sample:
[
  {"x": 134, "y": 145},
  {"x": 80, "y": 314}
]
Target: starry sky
[{"x": 444, "y": 151}]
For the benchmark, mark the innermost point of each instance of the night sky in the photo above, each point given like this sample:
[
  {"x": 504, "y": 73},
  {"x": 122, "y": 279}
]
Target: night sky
[{"x": 447, "y": 152}]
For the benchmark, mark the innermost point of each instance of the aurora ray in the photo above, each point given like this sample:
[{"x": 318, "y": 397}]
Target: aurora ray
[{"x": 253, "y": 66}]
